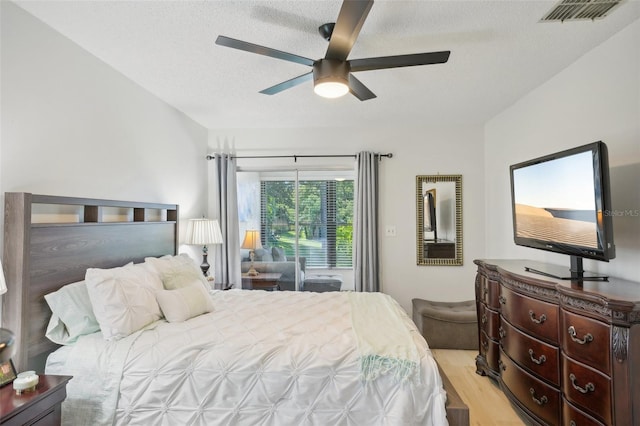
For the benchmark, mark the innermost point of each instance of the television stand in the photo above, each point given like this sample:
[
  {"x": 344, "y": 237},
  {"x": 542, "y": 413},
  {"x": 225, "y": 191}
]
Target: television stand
[
  {"x": 561, "y": 353},
  {"x": 575, "y": 273}
]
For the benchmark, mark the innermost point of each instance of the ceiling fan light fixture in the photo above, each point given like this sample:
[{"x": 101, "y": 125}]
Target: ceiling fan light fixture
[
  {"x": 331, "y": 78},
  {"x": 331, "y": 89}
]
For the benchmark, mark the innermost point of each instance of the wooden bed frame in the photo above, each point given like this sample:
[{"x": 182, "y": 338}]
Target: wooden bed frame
[
  {"x": 40, "y": 258},
  {"x": 457, "y": 410}
]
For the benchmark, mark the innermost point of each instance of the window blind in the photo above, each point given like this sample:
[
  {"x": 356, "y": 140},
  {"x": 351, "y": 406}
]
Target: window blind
[{"x": 325, "y": 220}]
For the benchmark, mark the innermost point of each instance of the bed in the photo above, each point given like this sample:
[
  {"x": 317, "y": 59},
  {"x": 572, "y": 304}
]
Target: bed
[{"x": 252, "y": 357}]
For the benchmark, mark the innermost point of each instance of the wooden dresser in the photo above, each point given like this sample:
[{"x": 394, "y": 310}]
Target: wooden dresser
[{"x": 564, "y": 353}]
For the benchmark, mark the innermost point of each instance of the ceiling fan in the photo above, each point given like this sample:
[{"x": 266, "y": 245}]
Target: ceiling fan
[{"x": 333, "y": 75}]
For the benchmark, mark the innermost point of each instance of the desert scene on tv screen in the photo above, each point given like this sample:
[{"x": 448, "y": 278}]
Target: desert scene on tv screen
[
  {"x": 563, "y": 226},
  {"x": 555, "y": 201}
]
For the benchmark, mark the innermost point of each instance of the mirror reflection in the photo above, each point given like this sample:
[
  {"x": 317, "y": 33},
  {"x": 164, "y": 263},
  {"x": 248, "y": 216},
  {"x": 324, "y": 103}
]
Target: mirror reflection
[{"x": 439, "y": 219}]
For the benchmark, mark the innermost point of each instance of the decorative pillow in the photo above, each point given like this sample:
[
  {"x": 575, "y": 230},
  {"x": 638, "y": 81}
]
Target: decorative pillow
[
  {"x": 177, "y": 271},
  {"x": 185, "y": 302},
  {"x": 263, "y": 255},
  {"x": 278, "y": 254},
  {"x": 124, "y": 298},
  {"x": 72, "y": 314}
]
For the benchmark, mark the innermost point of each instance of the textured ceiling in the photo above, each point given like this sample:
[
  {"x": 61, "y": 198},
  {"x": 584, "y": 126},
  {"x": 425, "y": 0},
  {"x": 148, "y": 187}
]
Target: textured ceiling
[{"x": 499, "y": 52}]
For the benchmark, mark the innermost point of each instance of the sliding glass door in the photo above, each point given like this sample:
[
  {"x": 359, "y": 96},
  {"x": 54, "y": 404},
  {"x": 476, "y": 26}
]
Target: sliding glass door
[{"x": 304, "y": 218}]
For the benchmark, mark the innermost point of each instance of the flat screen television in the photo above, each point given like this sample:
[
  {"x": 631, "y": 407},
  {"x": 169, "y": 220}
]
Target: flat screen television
[{"x": 561, "y": 203}]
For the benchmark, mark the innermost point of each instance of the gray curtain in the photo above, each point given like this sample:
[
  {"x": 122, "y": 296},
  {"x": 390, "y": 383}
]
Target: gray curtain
[
  {"x": 365, "y": 229},
  {"x": 225, "y": 209}
]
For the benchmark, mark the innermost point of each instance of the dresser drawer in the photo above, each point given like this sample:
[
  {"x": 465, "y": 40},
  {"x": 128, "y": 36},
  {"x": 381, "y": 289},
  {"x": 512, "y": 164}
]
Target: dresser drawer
[
  {"x": 489, "y": 321},
  {"x": 587, "y": 388},
  {"x": 586, "y": 340},
  {"x": 534, "y": 355},
  {"x": 482, "y": 289},
  {"x": 533, "y": 316},
  {"x": 490, "y": 349},
  {"x": 489, "y": 292},
  {"x": 572, "y": 416},
  {"x": 539, "y": 398}
]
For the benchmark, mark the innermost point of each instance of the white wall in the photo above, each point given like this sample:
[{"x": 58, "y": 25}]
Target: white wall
[
  {"x": 416, "y": 151},
  {"x": 596, "y": 98},
  {"x": 73, "y": 126}
]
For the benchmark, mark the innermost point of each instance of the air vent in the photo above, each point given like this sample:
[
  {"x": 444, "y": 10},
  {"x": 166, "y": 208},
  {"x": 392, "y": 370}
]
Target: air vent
[{"x": 577, "y": 10}]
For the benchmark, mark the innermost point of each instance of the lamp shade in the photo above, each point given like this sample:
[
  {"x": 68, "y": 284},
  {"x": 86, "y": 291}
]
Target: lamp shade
[
  {"x": 7, "y": 338},
  {"x": 251, "y": 240},
  {"x": 3, "y": 283},
  {"x": 203, "y": 232}
]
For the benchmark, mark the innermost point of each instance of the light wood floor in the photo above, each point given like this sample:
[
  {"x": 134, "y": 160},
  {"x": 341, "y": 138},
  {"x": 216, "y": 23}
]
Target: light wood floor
[{"x": 487, "y": 404}]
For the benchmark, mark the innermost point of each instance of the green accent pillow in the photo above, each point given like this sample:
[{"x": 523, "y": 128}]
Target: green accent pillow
[{"x": 72, "y": 314}]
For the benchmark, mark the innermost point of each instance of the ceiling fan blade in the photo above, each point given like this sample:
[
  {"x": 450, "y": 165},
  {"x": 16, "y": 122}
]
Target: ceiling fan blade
[
  {"x": 281, "y": 18},
  {"x": 383, "y": 62},
  {"x": 359, "y": 90},
  {"x": 288, "y": 84},
  {"x": 261, "y": 50},
  {"x": 350, "y": 20}
]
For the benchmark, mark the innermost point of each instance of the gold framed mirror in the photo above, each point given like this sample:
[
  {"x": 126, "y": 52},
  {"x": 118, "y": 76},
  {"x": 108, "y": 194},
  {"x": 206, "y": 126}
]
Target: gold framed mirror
[{"x": 439, "y": 220}]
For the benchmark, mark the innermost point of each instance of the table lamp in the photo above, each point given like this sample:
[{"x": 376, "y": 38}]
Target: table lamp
[
  {"x": 7, "y": 339},
  {"x": 251, "y": 242},
  {"x": 203, "y": 232}
]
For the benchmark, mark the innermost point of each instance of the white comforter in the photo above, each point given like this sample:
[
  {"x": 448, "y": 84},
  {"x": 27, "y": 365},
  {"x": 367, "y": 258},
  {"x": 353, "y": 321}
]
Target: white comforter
[{"x": 261, "y": 358}]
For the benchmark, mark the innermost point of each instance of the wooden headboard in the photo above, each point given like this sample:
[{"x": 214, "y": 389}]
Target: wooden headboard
[{"x": 41, "y": 255}]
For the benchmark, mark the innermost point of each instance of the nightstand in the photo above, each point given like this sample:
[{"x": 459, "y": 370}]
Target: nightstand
[
  {"x": 220, "y": 286},
  {"x": 264, "y": 281},
  {"x": 40, "y": 407}
]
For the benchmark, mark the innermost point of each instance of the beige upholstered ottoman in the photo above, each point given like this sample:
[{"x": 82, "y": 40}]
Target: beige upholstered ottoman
[
  {"x": 447, "y": 325},
  {"x": 322, "y": 283}
]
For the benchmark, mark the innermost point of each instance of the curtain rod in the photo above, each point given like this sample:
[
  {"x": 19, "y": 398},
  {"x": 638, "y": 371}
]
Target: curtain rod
[{"x": 295, "y": 157}]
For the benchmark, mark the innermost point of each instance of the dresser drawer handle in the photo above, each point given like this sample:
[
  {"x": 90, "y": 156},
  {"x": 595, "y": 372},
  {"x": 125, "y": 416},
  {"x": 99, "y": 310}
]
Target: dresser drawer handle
[
  {"x": 540, "y": 401},
  {"x": 538, "y": 361},
  {"x": 542, "y": 318},
  {"x": 572, "y": 423},
  {"x": 588, "y": 388},
  {"x": 484, "y": 318},
  {"x": 587, "y": 337},
  {"x": 502, "y": 300},
  {"x": 485, "y": 345},
  {"x": 502, "y": 365},
  {"x": 502, "y": 332}
]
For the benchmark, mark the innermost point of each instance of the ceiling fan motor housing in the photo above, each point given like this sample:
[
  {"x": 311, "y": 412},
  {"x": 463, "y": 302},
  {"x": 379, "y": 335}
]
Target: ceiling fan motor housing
[{"x": 331, "y": 74}]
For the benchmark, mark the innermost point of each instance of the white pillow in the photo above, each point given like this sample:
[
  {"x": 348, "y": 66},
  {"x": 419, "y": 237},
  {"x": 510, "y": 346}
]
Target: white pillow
[
  {"x": 123, "y": 299},
  {"x": 72, "y": 314},
  {"x": 185, "y": 302},
  {"x": 177, "y": 271}
]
